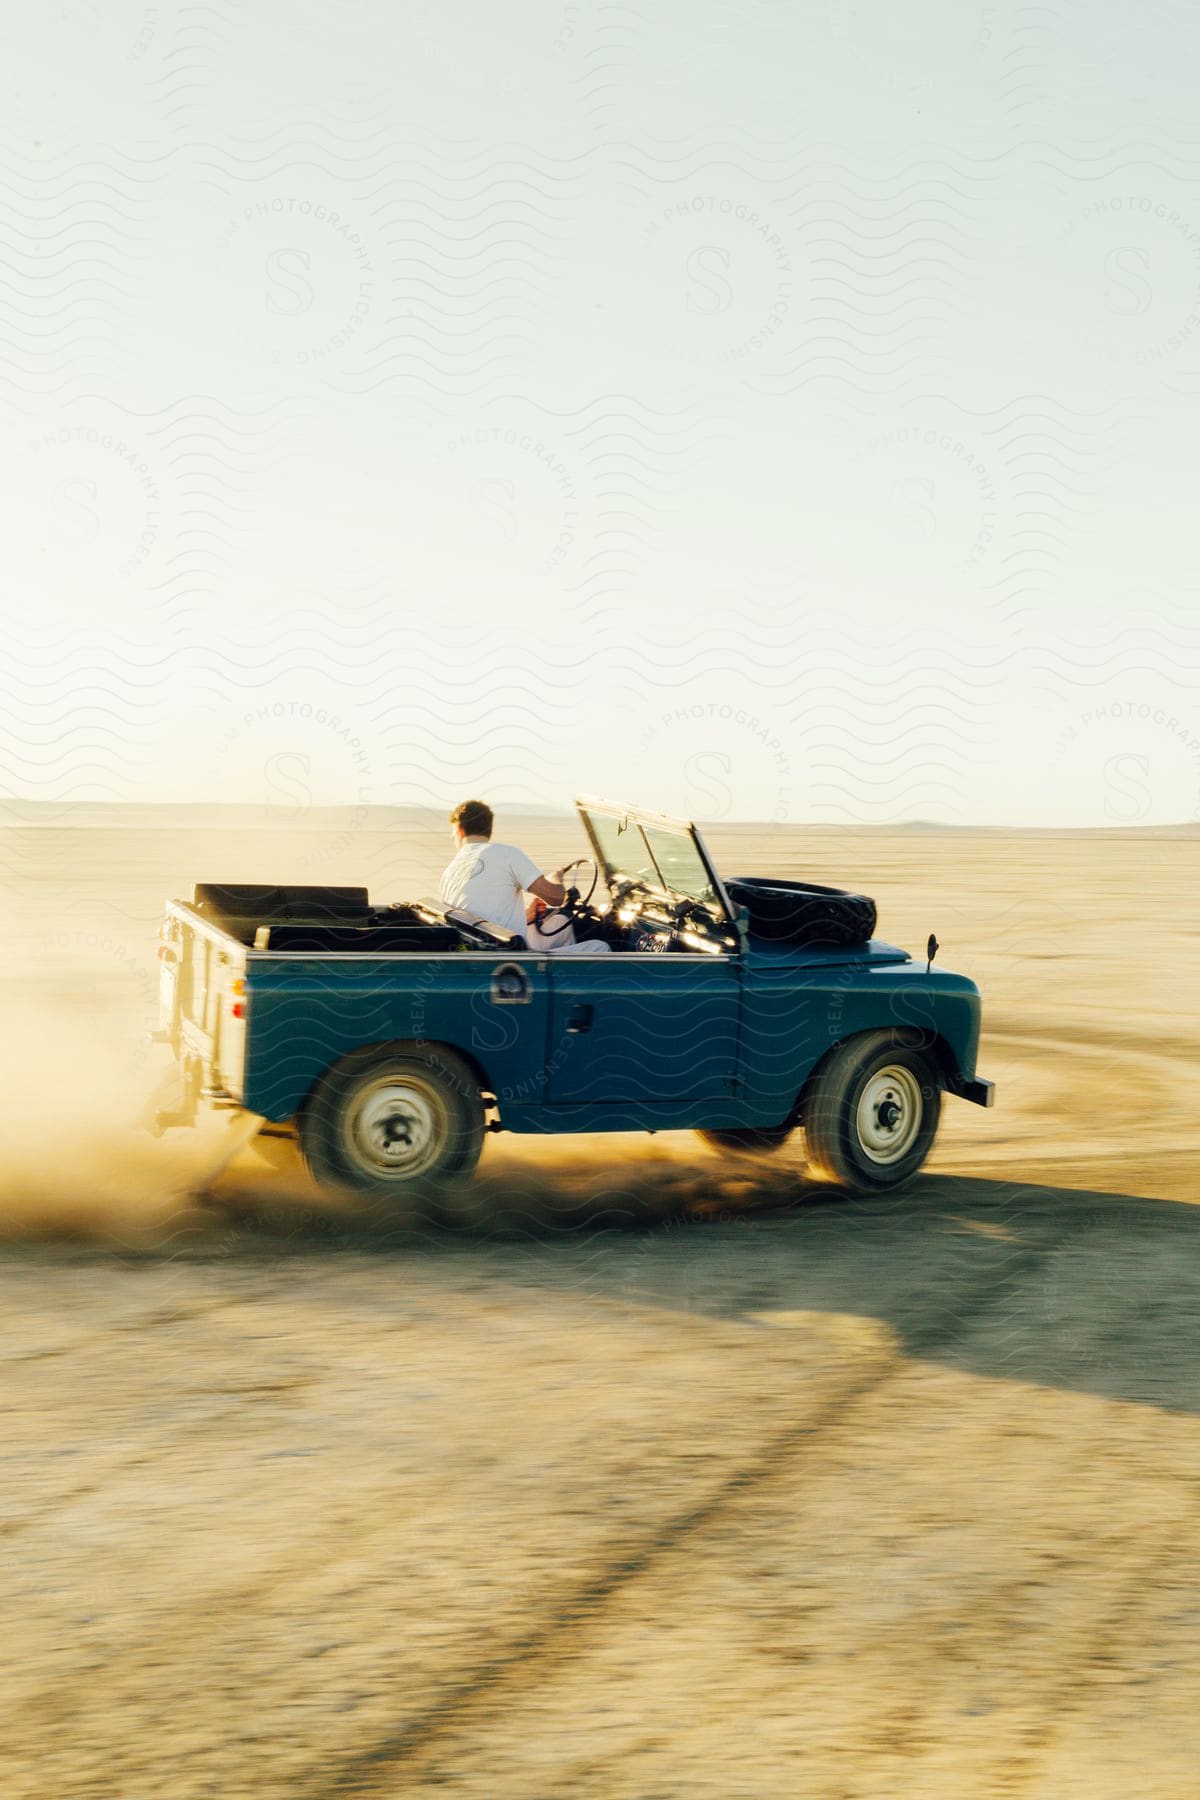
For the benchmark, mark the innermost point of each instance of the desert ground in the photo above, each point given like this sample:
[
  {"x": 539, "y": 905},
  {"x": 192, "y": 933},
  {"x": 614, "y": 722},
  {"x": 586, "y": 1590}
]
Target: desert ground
[{"x": 650, "y": 1473}]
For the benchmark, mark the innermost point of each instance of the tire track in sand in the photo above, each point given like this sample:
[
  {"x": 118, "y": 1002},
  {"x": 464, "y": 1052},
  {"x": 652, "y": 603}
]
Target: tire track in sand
[{"x": 563, "y": 1633}]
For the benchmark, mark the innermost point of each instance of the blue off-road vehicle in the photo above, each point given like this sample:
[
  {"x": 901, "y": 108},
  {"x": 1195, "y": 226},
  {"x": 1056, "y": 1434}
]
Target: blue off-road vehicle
[{"x": 391, "y": 1038}]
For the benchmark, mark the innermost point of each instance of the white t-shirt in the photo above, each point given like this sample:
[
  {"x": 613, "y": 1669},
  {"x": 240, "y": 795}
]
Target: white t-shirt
[{"x": 489, "y": 880}]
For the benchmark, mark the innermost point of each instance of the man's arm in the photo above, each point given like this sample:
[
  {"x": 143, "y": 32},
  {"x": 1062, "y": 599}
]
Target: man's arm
[
  {"x": 529, "y": 878},
  {"x": 552, "y": 891}
]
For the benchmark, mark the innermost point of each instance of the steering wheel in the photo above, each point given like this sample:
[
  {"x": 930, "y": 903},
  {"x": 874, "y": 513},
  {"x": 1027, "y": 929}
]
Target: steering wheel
[{"x": 576, "y": 904}]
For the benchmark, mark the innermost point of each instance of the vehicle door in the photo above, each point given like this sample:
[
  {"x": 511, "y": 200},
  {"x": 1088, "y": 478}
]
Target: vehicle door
[{"x": 643, "y": 1028}]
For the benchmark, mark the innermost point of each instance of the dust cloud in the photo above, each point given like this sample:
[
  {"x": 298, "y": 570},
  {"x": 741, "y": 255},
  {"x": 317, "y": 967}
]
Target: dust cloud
[{"x": 79, "y": 1158}]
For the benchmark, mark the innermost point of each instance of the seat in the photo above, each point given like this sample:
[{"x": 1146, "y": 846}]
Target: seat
[{"x": 272, "y": 904}]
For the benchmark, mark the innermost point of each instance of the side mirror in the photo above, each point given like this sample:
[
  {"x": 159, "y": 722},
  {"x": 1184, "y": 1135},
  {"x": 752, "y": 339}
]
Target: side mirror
[{"x": 931, "y": 950}]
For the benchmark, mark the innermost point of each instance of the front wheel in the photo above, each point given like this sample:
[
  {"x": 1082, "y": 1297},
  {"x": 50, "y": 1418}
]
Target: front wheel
[
  {"x": 872, "y": 1112},
  {"x": 381, "y": 1120}
]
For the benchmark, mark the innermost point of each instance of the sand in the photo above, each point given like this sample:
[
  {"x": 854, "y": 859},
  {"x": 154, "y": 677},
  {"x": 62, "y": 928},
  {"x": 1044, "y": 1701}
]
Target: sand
[{"x": 641, "y": 1471}]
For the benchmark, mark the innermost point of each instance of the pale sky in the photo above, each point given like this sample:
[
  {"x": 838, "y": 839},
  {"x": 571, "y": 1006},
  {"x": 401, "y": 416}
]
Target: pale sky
[{"x": 755, "y": 411}]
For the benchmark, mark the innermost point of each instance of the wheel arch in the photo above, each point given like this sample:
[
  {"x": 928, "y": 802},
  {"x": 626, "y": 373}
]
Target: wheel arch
[
  {"x": 398, "y": 1047},
  {"x": 937, "y": 1048}
]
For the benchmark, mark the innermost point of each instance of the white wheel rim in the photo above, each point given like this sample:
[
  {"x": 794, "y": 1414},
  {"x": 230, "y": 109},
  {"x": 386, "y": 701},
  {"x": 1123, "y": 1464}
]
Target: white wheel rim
[
  {"x": 395, "y": 1127},
  {"x": 889, "y": 1114}
]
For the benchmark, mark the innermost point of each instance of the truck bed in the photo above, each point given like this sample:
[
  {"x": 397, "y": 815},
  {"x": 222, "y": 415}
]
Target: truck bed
[
  {"x": 324, "y": 919},
  {"x": 212, "y": 945}
]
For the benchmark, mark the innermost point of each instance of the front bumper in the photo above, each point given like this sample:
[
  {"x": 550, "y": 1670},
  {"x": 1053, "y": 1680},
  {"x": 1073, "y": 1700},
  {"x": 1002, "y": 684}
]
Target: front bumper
[{"x": 977, "y": 1091}]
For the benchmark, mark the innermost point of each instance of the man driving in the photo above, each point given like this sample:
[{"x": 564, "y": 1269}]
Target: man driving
[{"x": 491, "y": 880}]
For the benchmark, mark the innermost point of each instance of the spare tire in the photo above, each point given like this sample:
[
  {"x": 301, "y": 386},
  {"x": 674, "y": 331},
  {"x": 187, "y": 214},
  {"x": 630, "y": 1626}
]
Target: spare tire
[{"x": 799, "y": 912}]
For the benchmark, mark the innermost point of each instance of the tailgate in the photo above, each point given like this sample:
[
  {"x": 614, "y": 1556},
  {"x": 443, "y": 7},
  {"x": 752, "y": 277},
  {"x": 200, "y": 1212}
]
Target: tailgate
[{"x": 202, "y": 1000}]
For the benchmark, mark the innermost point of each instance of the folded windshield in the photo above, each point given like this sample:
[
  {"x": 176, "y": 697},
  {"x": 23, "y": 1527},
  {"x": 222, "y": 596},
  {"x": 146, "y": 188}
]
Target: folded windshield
[
  {"x": 679, "y": 863},
  {"x": 657, "y": 853}
]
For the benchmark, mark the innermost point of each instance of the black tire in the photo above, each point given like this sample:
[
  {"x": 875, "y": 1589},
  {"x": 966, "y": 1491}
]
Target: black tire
[
  {"x": 385, "y": 1120},
  {"x": 764, "y": 1142},
  {"x": 799, "y": 912},
  {"x": 871, "y": 1112}
]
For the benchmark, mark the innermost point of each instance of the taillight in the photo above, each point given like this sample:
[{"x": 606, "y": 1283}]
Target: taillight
[{"x": 238, "y": 1009}]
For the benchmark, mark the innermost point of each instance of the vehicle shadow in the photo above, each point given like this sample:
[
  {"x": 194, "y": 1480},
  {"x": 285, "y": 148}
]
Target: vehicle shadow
[{"x": 1089, "y": 1290}]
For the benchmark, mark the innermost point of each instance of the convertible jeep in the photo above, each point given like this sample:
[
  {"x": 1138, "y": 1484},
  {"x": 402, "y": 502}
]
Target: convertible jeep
[{"x": 391, "y": 1038}]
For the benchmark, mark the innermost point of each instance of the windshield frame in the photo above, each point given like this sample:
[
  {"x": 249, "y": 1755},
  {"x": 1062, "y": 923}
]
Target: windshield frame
[{"x": 720, "y": 907}]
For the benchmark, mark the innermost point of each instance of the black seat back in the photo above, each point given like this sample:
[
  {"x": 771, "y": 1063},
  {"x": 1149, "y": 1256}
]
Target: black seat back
[{"x": 270, "y": 905}]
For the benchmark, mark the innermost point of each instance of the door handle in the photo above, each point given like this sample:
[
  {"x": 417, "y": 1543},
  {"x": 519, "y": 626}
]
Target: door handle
[{"x": 579, "y": 1018}]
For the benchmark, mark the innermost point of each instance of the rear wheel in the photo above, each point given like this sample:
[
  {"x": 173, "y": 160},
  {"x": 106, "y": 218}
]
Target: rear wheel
[
  {"x": 382, "y": 1120},
  {"x": 738, "y": 1137},
  {"x": 872, "y": 1112}
]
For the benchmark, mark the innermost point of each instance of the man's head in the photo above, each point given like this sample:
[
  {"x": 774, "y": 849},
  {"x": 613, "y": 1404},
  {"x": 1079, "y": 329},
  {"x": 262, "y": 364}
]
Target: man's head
[{"x": 471, "y": 819}]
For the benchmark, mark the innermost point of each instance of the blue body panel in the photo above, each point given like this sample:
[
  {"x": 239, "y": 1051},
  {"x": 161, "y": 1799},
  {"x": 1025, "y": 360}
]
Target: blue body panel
[
  {"x": 800, "y": 1004},
  {"x": 662, "y": 1029},
  {"x": 303, "y": 1013},
  {"x": 621, "y": 1042}
]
